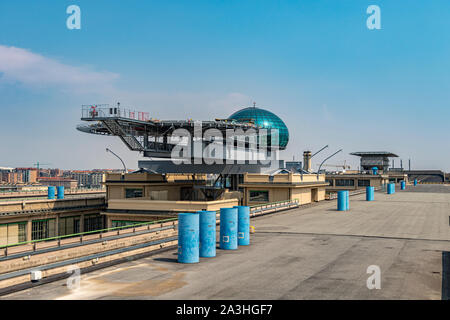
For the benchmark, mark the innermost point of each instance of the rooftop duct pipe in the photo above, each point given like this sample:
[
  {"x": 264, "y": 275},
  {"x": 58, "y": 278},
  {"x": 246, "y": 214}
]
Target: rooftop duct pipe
[{"x": 307, "y": 161}]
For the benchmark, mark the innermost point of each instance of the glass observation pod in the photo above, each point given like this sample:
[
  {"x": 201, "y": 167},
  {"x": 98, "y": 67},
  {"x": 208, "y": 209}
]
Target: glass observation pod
[{"x": 263, "y": 119}]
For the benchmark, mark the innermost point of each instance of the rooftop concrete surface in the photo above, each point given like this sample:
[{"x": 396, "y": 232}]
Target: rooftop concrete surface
[{"x": 307, "y": 253}]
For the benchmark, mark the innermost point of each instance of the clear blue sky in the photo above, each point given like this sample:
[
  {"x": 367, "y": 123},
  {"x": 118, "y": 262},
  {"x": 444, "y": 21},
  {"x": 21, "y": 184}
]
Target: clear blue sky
[{"x": 314, "y": 63}]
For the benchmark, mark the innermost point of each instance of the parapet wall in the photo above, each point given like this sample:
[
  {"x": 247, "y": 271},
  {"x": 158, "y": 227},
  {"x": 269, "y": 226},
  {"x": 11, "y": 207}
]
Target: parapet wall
[{"x": 170, "y": 206}]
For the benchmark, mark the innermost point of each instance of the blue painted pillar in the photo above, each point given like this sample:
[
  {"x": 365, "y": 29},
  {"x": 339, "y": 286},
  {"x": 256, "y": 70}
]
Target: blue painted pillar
[
  {"x": 51, "y": 192},
  {"x": 391, "y": 188},
  {"x": 243, "y": 225},
  {"x": 207, "y": 234},
  {"x": 415, "y": 182},
  {"x": 347, "y": 200},
  {"x": 60, "y": 194},
  {"x": 228, "y": 228},
  {"x": 370, "y": 191},
  {"x": 188, "y": 237},
  {"x": 341, "y": 202},
  {"x": 402, "y": 185}
]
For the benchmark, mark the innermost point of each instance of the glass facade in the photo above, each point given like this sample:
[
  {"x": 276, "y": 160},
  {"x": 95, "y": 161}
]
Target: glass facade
[
  {"x": 43, "y": 229},
  {"x": 12, "y": 233},
  {"x": 134, "y": 193},
  {"x": 264, "y": 119},
  {"x": 344, "y": 182},
  {"x": 259, "y": 196},
  {"x": 68, "y": 225},
  {"x": 364, "y": 183},
  {"x": 93, "y": 222}
]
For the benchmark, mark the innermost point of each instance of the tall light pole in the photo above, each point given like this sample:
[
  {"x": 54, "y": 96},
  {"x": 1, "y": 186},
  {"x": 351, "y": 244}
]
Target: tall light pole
[
  {"x": 319, "y": 151},
  {"x": 124, "y": 167},
  {"x": 318, "y": 170}
]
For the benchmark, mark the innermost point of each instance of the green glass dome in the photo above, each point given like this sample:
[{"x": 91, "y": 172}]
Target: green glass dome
[{"x": 264, "y": 119}]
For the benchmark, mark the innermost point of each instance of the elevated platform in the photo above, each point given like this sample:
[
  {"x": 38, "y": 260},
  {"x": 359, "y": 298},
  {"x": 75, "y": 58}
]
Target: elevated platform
[
  {"x": 158, "y": 138},
  {"x": 166, "y": 166},
  {"x": 370, "y": 159}
]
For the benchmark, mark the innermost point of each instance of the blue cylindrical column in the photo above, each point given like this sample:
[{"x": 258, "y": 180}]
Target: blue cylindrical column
[
  {"x": 188, "y": 237},
  {"x": 341, "y": 202},
  {"x": 347, "y": 200},
  {"x": 391, "y": 188},
  {"x": 228, "y": 228},
  {"x": 51, "y": 192},
  {"x": 243, "y": 225},
  {"x": 374, "y": 170},
  {"x": 370, "y": 191},
  {"x": 207, "y": 234},
  {"x": 60, "y": 194},
  {"x": 402, "y": 185},
  {"x": 415, "y": 182}
]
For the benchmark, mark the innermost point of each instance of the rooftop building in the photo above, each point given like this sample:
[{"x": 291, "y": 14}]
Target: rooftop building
[
  {"x": 370, "y": 159},
  {"x": 57, "y": 181}
]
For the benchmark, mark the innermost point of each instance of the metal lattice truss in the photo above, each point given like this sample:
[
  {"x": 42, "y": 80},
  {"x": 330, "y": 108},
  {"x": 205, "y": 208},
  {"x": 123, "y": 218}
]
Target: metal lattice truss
[{"x": 153, "y": 137}]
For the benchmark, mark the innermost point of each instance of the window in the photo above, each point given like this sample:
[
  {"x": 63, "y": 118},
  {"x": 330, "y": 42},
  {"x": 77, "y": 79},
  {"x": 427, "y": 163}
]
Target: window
[
  {"x": 118, "y": 223},
  {"x": 259, "y": 196},
  {"x": 344, "y": 182},
  {"x": 93, "y": 222},
  {"x": 42, "y": 229},
  {"x": 12, "y": 233},
  {"x": 69, "y": 225},
  {"x": 133, "y": 193},
  {"x": 364, "y": 183},
  {"x": 186, "y": 193},
  {"x": 330, "y": 182}
]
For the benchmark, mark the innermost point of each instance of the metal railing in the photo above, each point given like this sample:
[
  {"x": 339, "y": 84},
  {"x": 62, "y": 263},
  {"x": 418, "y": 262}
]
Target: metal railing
[
  {"x": 333, "y": 195},
  {"x": 66, "y": 191},
  {"x": 29, "y": 199},
  {"x": 273, "y": 206},
  {"x": 425, "y": 182},
  {"x": 81, "y": 234},
  {"x": 259, "y": 208},
  {"x": 110, "y": 111}
]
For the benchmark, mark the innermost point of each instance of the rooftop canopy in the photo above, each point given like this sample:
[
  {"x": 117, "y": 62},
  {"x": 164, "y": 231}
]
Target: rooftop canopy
[{"x": 374, "y": 153}]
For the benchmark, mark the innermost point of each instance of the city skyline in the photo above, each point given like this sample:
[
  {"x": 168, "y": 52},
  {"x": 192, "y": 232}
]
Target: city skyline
[{"x": 314, "y": 64}]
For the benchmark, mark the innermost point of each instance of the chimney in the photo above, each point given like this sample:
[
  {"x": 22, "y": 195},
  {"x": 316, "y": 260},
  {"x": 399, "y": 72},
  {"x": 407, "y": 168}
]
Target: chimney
[{"x": 307, "y": 161}]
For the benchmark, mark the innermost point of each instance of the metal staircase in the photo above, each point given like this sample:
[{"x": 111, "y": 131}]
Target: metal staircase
[{"x": 117, "y": 130}]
